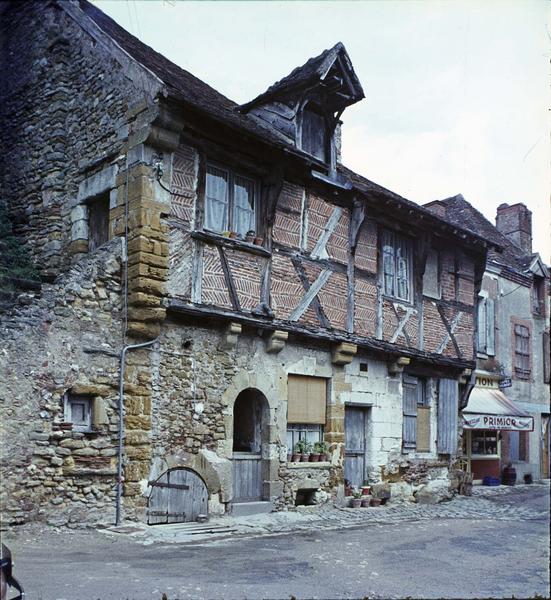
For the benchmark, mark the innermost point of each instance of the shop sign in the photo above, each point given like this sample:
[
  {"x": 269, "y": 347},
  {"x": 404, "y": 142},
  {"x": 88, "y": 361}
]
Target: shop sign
[
  {"x": 505, "y": 383},
  {"x": 498, "y": 422},
  {"x": 486, "y": 381}
]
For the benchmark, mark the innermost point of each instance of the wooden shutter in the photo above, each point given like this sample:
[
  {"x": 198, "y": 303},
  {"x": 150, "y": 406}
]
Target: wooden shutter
[
  {"x": 306, "y": 400},
  {"x": 448, "y": 400},
  {"x": 423, "y": 428},
  {"x": 409, "y": 428},
  {"x": 490, "y": 327},
  {"x": 481, "y": 325},
  {"x": 431, "y": 280},
  {"x": 388, "y": 263},
  {"x": 403, "y": 269},
  {"x": 546, "y": 357}
]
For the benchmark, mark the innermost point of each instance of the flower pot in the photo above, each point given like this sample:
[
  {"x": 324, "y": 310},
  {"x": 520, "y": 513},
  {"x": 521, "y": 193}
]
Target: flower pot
[
  {"x": 375, "y": 501},
  {"x": 324, "y": 458},
  {"x": 366, "y": 490},
  {"x": 348, "y": 491},
  {"x": 258, "y": 241},
  {"x": 365, "y": 502},
  {"x": 249, "y": 239},
  {"x": 356, "y": 502},
  {"x": 314, "y": 457},
  {"x": 295, "y": 457},
  {"x": 304, "y": 457},
  {"x": 232, "y": 235}
]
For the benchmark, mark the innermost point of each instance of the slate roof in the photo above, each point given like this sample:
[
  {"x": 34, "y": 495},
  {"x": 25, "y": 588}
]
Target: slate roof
[
  {"x": 460, "y": 212},
  {"x": 311, "y": 72}
]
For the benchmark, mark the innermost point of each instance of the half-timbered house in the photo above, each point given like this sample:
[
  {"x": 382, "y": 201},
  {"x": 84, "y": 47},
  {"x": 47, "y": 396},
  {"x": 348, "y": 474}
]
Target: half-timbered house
[{"x": 220, "y": 293}]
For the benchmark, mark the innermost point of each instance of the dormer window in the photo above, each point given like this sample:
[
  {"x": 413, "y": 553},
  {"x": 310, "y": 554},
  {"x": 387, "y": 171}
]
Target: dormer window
[{"x": 314, "y": 132}]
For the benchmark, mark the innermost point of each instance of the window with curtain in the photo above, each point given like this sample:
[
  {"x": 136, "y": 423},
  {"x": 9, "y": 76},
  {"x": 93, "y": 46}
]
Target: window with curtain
[
  {"x": 230, "y": 202},
  {"x": 396, "y": 254},
  {"x": 522, "y": 351}
]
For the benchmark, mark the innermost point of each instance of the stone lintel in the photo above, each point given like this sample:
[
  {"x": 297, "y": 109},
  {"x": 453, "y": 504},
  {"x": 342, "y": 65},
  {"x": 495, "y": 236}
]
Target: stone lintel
[
  {"x": 343, "y": 353},
  {"x": 276, "y": 342}
]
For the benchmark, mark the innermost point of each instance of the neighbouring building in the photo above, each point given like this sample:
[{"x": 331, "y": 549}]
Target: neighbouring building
[
  {"x": 507, "y": 419},
  {"x": 218, "y": 293}
]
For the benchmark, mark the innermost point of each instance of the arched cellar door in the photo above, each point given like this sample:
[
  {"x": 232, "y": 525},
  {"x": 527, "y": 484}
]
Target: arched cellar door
[{"x": 178, "y": 496}]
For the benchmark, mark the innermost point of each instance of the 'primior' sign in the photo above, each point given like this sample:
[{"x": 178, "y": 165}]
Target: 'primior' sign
[{"x": 498, "y": 422}]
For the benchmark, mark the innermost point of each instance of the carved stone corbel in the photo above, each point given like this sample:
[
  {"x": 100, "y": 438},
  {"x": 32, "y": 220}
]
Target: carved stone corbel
[
  {"x": 465, "y": 376},
  {"x": 343, "y": 353},
  {"x": 397, "y": 367},
  {"x": 276, "y": 342},
  {"x": 230, "y": 336}
]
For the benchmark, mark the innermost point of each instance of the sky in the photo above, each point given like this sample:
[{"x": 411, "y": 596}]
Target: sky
[{"x": 457, "y": 92}]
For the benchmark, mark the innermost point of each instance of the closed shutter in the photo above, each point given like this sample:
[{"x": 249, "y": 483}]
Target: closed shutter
[
  {"x": 388, "y": 262},
  {"x": 423, "y": 428},
  {"x": 490, "y": 327},
  {"x": 431, "y": 280},
  {"x": 306, "y": 400},
  {"x": 481, "y": 325},
  {"x": 409, "y": 427},
  {"x": 448, "y": 398},
  {"x": 546, "y": 357}
]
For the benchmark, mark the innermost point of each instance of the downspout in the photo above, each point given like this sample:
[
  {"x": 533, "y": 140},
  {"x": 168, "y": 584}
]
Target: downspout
[{"x": 121, "y": 422}]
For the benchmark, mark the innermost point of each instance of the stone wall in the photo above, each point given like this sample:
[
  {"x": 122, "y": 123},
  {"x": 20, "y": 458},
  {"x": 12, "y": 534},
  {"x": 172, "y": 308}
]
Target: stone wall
[{"x": 66, "y": 340}]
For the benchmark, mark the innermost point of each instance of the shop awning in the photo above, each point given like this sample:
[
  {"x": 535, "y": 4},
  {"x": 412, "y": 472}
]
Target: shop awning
[{"x": 491, "y": 409}]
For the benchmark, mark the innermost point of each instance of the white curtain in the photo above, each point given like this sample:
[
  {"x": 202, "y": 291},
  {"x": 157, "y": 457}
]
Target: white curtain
[{"x": 216, "y": 203}]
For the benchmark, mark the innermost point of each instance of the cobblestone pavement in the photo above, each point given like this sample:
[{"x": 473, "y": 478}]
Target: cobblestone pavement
[{"x": 501, "y": 503}]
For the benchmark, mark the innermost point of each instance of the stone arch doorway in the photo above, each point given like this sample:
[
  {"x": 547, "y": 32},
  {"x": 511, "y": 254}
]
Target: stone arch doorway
[
  {"x": 178, "y": 496},
  {"x": 250, "y": 441}
]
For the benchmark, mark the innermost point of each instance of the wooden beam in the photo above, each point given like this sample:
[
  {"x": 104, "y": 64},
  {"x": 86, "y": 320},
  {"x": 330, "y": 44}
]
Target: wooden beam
[
  {"x": 310, "y": 295},
  {"x": 319, "y": 250},
  {"x": 401, "y": 325},
  {"x": 450, "y": 331},
  {"x": 229, "y": 279}
]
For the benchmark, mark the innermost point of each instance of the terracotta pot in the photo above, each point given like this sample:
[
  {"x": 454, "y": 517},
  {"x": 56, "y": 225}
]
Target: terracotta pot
[
  {"x": 365, "y": 502},
  {"x": 295, "y": 457},
  {"x": 375, "y": 501},
  {"x": 323, "y": 458},
  {"x": 304, "y": 457},
  {"x": 258, "y": 241},
  {"x": 249, "y": 239},
  {"x": 366, "y": 490},
  {"x": 233, "y": 235},
  {"x": 356, "y": 502},
  {"x": 348, "y": 491},
  {"x": 314, "y": 457}
]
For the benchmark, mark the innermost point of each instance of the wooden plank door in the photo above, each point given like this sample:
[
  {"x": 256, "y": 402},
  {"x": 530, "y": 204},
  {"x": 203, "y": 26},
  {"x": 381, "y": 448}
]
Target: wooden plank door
[
  {"x": 247, "y": 478},
  {"x": 178, "y": 496},
  {"x": 355, "y": 463}
]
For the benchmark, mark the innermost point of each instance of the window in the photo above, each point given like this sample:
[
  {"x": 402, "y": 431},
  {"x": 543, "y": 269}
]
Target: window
[
  {"x": 484, "y": 442},
  {"x": 306, "y": 402},
  {"x": 431, "y": 276},
  {"x": 78, "y": 411},
  {"x": 416, "y": 415},
  {"x": 98, "y": 221},
  {"x": 314, "y": 132},
  {"x": 538, "y": 296},
  {"x": 397, "y": 266},
  {"x": 486, "y": 326},
  {"x": 522, "y": 351},
  {"x": 311, "y": 433},
  {"x": 230, "y": 202}
]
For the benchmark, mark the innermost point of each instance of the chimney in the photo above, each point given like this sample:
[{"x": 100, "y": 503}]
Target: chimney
[{"x": 515, "y": 223}]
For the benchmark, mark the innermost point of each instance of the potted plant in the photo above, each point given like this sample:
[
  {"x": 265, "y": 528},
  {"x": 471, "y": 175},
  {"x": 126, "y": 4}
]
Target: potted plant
[
  {"x": 366, "y": 501},
  {"x": 295, "y": 457},
  {"x": 375, "y": 501},
  {"x": 249, "y": 236},
  {"x": 366, "y": 488},
  {"x": 347, "y": 488},
  {"x": 233, "y": 235},
  {"x": 258, "y": 241},
  {"x": 321, "y": 449},
  {"x": 356, "y": 498},
  {"x": 304, "y": 449}
]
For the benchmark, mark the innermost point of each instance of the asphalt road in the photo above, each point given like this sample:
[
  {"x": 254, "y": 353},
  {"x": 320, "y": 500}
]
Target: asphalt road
[{"x": 443, "y": 558}]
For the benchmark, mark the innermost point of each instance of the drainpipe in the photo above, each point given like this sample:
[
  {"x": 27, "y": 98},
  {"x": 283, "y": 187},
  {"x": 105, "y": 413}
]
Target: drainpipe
[{"x": 121, "y": 423}]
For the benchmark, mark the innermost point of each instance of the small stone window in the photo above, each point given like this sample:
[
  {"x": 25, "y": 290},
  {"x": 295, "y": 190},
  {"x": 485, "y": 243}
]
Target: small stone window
[
  {"x": 98, "y": 221},
  {"x": 78, "y": 411}
]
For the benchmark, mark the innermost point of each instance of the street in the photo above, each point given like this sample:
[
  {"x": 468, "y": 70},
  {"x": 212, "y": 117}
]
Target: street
[{"x": 496, "y": 555}]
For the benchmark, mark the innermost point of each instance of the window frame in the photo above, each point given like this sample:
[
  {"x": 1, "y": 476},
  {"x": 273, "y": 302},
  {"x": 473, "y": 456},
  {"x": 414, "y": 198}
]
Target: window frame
[
  {"x": 327, "y": 136},
  {"x": 69, "y": 399},
  {"x": 98, "y": 213},
  {"x": 420, "y": 385},
  {"x": 232, "y": 174},
  {"x": 299, "y": 431},
  {"x": 397, "y": 240}
]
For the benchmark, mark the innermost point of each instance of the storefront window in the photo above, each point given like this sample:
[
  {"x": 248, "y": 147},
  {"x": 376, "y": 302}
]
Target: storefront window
[{"x": 484, "y": 442}]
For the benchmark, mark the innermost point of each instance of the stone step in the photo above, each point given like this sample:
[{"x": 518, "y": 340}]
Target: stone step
[{"x": 244, "y": 509}]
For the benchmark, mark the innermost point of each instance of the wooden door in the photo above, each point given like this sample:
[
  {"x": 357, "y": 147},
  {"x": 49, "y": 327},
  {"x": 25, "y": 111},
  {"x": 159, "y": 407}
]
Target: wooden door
[
  {"x": 247, "y": 477},
  {"x": 178, "y": 496},
  {"x": 355, "y": 426}
]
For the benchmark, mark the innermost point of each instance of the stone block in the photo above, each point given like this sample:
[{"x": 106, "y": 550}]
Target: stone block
[
  {"x": 276, "y": 341},
  {"x": 141, "y": 299},
  {"x": 147, "y": 286},
  {"x": 146, "y": 314},
  {"x": 148, "y": 258},
  {"x": 99, "y": 412},
  {"x": 98, "y": 183},
  {"x": 78, "y": 247},
  {"x": 137, "y": 438},
  {"x": 344, "y": 353},
  {"x": 137, "y": 422}
]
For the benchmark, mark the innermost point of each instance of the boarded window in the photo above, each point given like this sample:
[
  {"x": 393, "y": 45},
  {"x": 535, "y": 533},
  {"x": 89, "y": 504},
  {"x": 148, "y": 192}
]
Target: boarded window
[
  {"x": 229, "y": 202},
  {"x": 314, "y": 134},
  {"x": 518, "y": 445},
  {"x": 416, "y": 415},
  {"x": 486, "y": 326},
  {"x": 522, "y": 351},
  {"x": 431, "y": 277},
  {"x": 397, "y": 266},
  {"x": 98, "y": 221},
  {"x": 448, "y": 401},
  {"x": 306, "y": 400}
]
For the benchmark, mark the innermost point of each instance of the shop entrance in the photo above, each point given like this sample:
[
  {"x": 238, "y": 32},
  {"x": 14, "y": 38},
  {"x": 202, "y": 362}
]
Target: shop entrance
[
  {"x": 356, "y": 423},
  {"x": 250, "y": 419}
]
